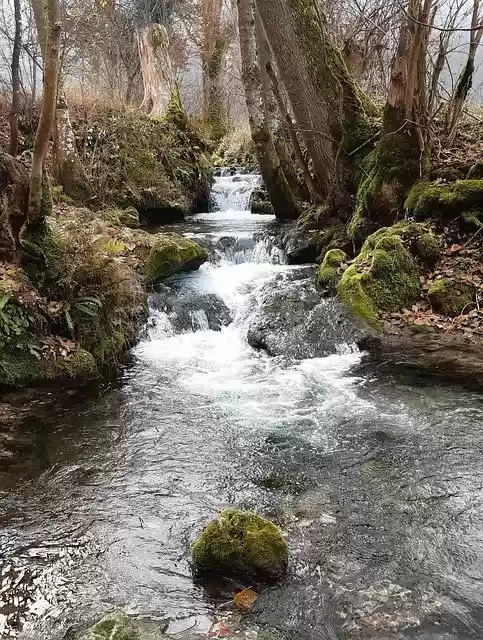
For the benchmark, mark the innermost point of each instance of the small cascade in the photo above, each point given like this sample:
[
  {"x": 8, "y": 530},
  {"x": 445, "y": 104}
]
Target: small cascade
[{"x": 232, "y": 192}]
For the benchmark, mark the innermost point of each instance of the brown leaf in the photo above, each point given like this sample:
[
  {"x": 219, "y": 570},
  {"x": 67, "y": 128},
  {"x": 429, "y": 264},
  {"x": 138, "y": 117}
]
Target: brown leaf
[{"x": 245, "y": 599}]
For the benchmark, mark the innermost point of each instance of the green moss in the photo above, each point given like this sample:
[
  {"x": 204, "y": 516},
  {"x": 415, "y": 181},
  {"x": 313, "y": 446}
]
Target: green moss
[
  {"x": 385, "y": 274},
  {"x": 389, "y": 170},
  {"x": 462, "y": 199},
  {"x": 240, "y": 543},
  {"x": 452, "y": 297},
  {"x": 170, "y": 254},
  {"x": 113, "y": 626},
  {"x": 330, "y": 269}
]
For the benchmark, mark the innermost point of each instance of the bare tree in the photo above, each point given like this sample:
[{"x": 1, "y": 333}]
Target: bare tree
[
  {"x": 14, "y": 111},
  {"x": 49, "y": 31}
]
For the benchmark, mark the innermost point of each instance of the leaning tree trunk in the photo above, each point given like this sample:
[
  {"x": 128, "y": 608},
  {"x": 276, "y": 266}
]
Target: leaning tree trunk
[
  {"x": 278, "y": 189},
  {"x": 465, "y": 80},
  {"x": 274, "y": 117},
  {"x": 15, "y": 106},
  {"x": 50, "y": 21},
  {"x": 156, "y": 68},
  {"x": 308, "y": 105}
]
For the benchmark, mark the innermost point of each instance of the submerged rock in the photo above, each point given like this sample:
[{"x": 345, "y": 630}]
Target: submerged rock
[
  {"x": 172, "y": 253},
  {"x": 240, "y": 543},
  {"x": 294, "y": 322},
  {"x": 113, "y": 626}
]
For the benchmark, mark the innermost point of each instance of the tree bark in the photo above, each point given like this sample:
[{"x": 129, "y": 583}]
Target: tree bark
[
  {"x": 274, "y": 118},
  {"x": 308, "y": 106},
  {"x": 50, "y": 20},
  {"x": 156, "y": 68},
  {"x": 213, "y": 50},
  {"x": 15, "y": 106},
  {"x": 278, "y": 189},
  {"x": 67, "y": 164}
]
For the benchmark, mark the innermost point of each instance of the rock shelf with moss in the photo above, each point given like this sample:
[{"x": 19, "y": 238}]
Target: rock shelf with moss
[
  {"x": 240, "y": 543},
  {"x": 86, "y": 305}
]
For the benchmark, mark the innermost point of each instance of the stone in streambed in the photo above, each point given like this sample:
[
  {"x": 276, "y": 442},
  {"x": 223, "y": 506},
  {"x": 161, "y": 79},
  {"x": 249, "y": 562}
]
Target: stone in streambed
[
  {"x": 240, "y": 543},
  {"x": 172, "y": 253},
  {"x": 452, "y": 296}
]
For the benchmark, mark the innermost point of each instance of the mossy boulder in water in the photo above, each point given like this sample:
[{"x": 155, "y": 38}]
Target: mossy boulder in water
[
  {"x": 172, "y": 253},
  {"x": 385, "y": 274},
  {"x": 452, "y": 296},
  {"x": 331, "y": 269},
  {"x": 240, "y": 543}
]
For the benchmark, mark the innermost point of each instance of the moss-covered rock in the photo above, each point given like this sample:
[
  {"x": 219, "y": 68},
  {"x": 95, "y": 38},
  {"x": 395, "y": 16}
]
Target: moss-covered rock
[
  {"x": 451, "y": 296},
  {"x": 260, "y": 202},
  {"x": 240, "y": 543},
  {"x": 462, "y": 200},
  {"x": 385, "y": 274},
  {"x": 113, "y": 626},
  {"x": 330, "y": 271},
  {"x": 170, "y": 254}
]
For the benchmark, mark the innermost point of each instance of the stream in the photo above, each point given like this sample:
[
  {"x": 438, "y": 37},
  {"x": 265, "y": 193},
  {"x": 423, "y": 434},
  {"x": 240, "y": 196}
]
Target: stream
[{"x": 377, "y": 480}]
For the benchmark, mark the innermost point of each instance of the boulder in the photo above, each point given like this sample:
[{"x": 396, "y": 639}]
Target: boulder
[
  {"x": 172, "y": 253},
  {"x": 260, "y": 202},
  {"x": 240, "y": 543},
  {"x": 331, "y": 269},
  {"x": 451, "y": 296}
]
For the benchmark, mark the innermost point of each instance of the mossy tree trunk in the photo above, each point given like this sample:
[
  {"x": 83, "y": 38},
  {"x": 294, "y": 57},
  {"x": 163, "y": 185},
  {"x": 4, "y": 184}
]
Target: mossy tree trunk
[
  {"x": 14, "y": 195},
  {"x": 278, "y": 189},
  {"x": 329, "y": 108},
  {"x": 395, "y": 164},
  {"x": 15, "y": 106},
  {"x": 49, "y": 20},
  {"x": 156, "y": 68}
]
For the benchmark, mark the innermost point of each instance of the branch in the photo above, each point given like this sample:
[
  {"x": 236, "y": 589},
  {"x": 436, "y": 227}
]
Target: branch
[{"x": 431, "y": 26}]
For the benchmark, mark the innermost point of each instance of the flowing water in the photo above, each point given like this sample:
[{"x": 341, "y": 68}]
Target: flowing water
[{"x": 377, "y": 481}]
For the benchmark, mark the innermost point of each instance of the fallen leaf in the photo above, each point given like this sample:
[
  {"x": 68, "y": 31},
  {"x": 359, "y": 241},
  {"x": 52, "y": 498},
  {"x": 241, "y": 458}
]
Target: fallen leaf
[
  {"x": 245, "y": 599},
  {"x": 219, "y": 630}
]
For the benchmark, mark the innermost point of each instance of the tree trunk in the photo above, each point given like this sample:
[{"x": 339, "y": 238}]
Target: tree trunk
[
  {"x": 395, "y": 164},
  {"x": 297, "y": 151},
  {"x": 214, "y": 47},
  {"x": 156, "y": 68},
  {"x": 278, "y": 189},
  {"x": 14, "y": 110},
  {"x": 50, "y": 20},
  {"x": 274, "y": 118},
  {"x": 465, "y": 79},
  {"x": 308, "y": 106},
  {"x": 67, "y": 164}
]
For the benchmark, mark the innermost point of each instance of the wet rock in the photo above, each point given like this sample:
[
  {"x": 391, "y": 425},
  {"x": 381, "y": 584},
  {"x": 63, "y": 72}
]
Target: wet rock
[
  {"x": 437, "y": 354},
  {"x": 293, "y": 321},
  {"x": 260, "y": 202},
  {"x": 117, "y": 625},
  {"x": 192, "y": 310},
  {"x": 240, "y": 543},
  {"x": 300, "y": 246}
]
